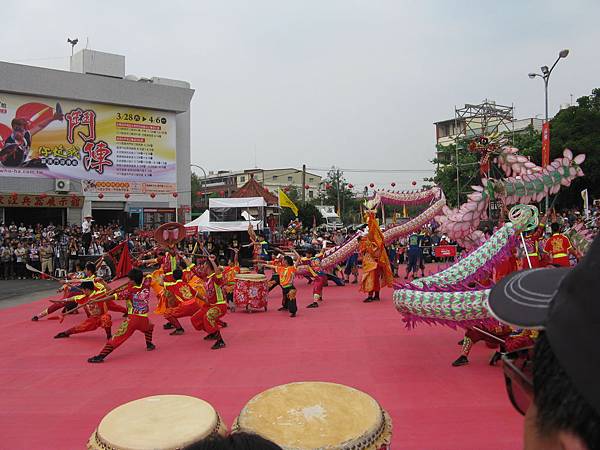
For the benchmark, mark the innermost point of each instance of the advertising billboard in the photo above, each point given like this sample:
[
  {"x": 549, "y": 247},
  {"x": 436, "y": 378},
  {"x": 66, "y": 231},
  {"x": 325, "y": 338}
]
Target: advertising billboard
[{"x": 108, "y": 148}]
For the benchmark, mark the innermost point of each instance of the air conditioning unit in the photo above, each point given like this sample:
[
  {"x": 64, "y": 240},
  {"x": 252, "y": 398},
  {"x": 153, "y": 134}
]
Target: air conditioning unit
[{"x": 61, "y": 185}]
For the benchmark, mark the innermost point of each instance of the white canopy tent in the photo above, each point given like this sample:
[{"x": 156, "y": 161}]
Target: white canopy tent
[{"x": 204, "y": 224}]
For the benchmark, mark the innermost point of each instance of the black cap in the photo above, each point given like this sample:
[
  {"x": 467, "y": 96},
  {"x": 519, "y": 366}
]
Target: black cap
[{"x": 566, "y": 304}]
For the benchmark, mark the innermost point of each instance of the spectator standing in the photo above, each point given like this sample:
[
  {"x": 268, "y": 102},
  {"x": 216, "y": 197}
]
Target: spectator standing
[
  {"x": 20, "y": 260},
  {"x": 86, "y": 234},
  {"x": 47, "y": 257}
]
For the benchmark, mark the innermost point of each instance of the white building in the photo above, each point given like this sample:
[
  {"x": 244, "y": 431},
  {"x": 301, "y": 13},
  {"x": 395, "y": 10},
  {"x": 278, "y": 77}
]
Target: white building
[{"x": 93, "y": 141}]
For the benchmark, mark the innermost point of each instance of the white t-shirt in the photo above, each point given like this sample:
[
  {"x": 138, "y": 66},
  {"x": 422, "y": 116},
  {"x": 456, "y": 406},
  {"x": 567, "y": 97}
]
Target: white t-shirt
[{"x": 86, "y": 227}]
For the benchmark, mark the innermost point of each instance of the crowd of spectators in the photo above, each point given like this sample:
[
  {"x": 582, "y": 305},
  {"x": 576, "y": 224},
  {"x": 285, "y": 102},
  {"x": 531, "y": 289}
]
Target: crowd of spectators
[{"x": 49, "y": 247}]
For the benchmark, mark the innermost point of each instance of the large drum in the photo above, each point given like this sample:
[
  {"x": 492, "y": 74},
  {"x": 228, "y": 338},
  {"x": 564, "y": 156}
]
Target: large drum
[
  {"x": 251, "y": 291},
  {"x": 313, "y": 415},
  {"x": 160, "y": 422}
]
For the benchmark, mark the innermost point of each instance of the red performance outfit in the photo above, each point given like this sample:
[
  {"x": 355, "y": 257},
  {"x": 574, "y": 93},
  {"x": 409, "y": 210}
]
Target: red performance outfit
[
  {"x": 137, "y": 298},
  {"x": 532, "y": 247},
  {"x": 207, "y": 318},
  {"x": 319, "y": 278},
  {"x": 558, "y": 246},
  {"x": 229, "y": 274},
  {"x": 97, "y": 313},
  {"x": 186, "y": 303}
]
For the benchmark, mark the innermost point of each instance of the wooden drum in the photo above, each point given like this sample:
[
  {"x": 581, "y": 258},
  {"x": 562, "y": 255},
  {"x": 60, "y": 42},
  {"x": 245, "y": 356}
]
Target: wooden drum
[
  {"x": 159, "y": 422},
  {"x": 311, "y": 415},
  {"x": 251, "y": 291}
]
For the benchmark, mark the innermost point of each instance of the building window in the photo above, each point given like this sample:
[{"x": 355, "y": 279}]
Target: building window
[
  {"x": 242, "y": 179},
  {"x": 311, "y": 179},
  {"x": 274, "y": 177},
  {"x": 310, "y": 194},
  {"x": 290, "y": 178}
]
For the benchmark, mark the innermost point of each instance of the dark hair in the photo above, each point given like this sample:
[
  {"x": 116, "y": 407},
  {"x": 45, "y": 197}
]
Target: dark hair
[
  {"x": 555, "y": 227},
  {"x": 289, "y": 260},
  {"x": 18, "y": 121},
  {"x": 178, "y": 274},
  {"x": 559, "y": 405},
  {"x": 91, "y": 267},
  {"x": 87, "y": 285},
  {"x": 235, "y": 441},
  {"x": 136, "y": 275}
]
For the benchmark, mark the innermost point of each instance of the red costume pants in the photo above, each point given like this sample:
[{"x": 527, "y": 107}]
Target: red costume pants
[
  {"x": 92, "y": 323},
  {"x": 179, "y": 311},
  {"x": 562, "y": 261},
  {"x": 318, "y": 284},
  {"x": 130, "y": 325},
  {"x": 112, "y": 306},
  {"x": 207, "y": 318}
]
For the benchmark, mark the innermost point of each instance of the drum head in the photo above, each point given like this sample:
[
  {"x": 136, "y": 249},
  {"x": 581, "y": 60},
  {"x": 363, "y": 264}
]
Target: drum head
[
  {"x": 251, "y": 277},
  {"x": 158, "y": 422},
  {"x": 316, "y": 415}
]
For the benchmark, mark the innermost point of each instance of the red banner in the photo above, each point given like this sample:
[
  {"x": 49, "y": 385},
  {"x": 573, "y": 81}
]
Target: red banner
[
  {"x": 546, "y": 144},
  {"x": 191, "y": 231},
  {"x": 445, "y": 251},
  {"x": 15, "y": 200}
]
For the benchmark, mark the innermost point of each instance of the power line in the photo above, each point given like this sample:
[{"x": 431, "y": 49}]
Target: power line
[{"x": 319, "y": 169}]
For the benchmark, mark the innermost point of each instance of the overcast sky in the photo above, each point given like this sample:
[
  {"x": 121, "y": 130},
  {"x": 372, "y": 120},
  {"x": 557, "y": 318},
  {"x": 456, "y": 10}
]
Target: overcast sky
[{"x": 356, "y": 84}]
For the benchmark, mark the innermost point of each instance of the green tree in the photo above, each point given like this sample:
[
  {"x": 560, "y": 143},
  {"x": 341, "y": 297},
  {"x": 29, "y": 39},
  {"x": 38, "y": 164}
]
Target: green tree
[
  {"x": 307, "y": 213},
  {"x": 196, "y": 187},
  {"x": 445, "y": 175},
  {"x": 578, "y": 129},
  {"x": 337, "y": 193}
]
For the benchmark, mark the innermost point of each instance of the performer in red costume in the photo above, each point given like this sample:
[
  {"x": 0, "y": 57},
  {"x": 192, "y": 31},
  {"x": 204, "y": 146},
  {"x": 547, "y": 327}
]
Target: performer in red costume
[
  {"x": 376, "y": 268},
  {"x": 229, "y": 273},
  {"x": 493, "y": 335},
  {"x": 317, "y": 274},
  {"x": 184, "y": 297},
  {"x": 208, "y": 317},
  {"x": 532, "y": 247},
  {"x": 137, "y": 296},
  {"x": 558, "y": 247},
  {"x": 286, "y": 272},
  {"x": 94, "y": 303}
]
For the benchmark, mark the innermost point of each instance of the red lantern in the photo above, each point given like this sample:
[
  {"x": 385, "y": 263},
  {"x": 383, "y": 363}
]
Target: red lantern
[
  {"x": 393, "y": 184},
  {"x": 350, "y": 185},
  {"x": 14, "y": 194},
  {"x": 414, "y": 183},
  {"x": 175, "y": 194},
  {"x": 306, "y": 186},
  {"x": 127, "y": 195},
  {"x": 199, "y": 194},
  {"x": 152, "y": 195},
  {"x": 371, "y": 185},
  {"x": 221, "y": 193},
  {"x": 327, "y": 186},
  {"x": 286, "y": 189},
  {"x": 100, "y": 195}
]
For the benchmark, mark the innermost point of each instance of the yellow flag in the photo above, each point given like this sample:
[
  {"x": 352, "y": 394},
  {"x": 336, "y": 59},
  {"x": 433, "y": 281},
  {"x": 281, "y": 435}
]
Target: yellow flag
[{"x": 285, "y": 202}]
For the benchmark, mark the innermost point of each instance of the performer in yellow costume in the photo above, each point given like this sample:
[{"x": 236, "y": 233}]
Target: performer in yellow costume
[{"x": 376, "y": 269}]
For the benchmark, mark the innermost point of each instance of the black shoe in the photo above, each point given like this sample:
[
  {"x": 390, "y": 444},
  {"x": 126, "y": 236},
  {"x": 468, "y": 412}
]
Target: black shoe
[
  {"x": 219, "y": 344},
  {"x": 461, "y": 342},
  {"x": 150, "y": 347},
  {"x": 211, "y": 337},
  {"x": 495, "y": 358},
  {"x": 96, "y": 359},
  {"x": 368, "y": 300},
  {"x": 62, "y": 334},
  {"x": 283, "y": 308},
  {"x": 35, "y": 318},
  {"x": 313, "y": 305},
  {"x": 376, "y": 298},
  {"x": 462, "y": 360},
  {"x": 293, "y": 315},
  {"x": 177, "y": 332},
  {"x": 168, "y": 326},
  {"x": 223, "y": 324}
]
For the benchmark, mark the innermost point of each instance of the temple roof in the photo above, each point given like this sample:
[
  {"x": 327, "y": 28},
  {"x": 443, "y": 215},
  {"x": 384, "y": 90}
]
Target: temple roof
[{"x": 254, "y": 189}]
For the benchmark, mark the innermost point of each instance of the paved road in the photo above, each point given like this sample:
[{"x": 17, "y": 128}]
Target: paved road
[{"x": 17, "y": 292}]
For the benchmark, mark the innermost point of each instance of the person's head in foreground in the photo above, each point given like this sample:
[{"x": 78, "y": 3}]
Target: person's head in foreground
[
  {"x": 235, "y": 441},
  {"x": 557, "y": 386}
]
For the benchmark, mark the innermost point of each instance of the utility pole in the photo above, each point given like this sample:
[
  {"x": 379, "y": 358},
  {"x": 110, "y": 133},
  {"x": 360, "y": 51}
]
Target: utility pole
[
  {"x": 337, "y": 181},
  {"x": 303, "y": 183}
]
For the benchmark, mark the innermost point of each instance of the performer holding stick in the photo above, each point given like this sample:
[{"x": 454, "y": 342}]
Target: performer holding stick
[
  {"x": 94, "y": 303},
  {"x": 137, "y": 296},
  {"x": 286, "y": 273}
]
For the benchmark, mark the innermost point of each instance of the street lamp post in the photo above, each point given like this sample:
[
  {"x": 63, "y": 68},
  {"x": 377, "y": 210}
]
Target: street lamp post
[
  {"x": 205, "y": 181},
  {"x": 545, "y": 75}
]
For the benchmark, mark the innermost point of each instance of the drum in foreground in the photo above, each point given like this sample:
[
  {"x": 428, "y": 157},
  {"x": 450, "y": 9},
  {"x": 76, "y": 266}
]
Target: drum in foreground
[
  {"x": 311, "y": 415},
  {"x": 251, "y": 291},
  {"x": 159, "y": 422}
]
